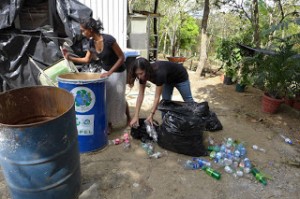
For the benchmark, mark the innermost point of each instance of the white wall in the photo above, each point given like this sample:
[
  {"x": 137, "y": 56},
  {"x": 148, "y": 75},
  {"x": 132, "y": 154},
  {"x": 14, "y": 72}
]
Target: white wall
[{"x": 113, "y": 14}]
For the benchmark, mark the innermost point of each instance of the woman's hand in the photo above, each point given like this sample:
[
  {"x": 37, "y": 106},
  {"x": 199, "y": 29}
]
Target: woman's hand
[
  {"x": 105, "y": 75},
  {"x": 150, "y": 119},
  {"x": 134, "y": 122}
]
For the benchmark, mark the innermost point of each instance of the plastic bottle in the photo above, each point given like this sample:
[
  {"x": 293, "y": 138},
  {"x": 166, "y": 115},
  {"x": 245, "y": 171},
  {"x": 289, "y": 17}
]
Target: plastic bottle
[
  {"x": 219, "y": 156},
  {"x": 214, "y": 148},
  {"x": 228, "y": 169},
  {"x": 242, "y": 150},
  {"x": 247, "y": 163},
  {"x": 126, "y": 141},
  {"x": 286, "y": 139},
  {"x": 258, "y": 176},
  {"x": 213, "y": 173},
  {"x": 256, "y": 148},
  {"x": 191, "y": 165},
  {"x": 151, "y": 130},
  {"x": 126, "y": 144},
  {"x": 227, "y": 161},
  {"x": 229, "y": 142},
  {"x": 222, "y": 148},
  {"x": 156, "y": 155},
  {"x": 148, "y": 147},
  {"x": 116, "y": 141},
  {"x": 239, "y": 173},
  {"x": 210, "y": 141},
  {"x": 237, "y": 153},
  {"x": 212, "y": 155},
  {"x": 202, "y": 162}
]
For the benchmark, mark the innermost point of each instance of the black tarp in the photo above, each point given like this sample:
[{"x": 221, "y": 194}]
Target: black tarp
[{"x": 35, "y": 28}]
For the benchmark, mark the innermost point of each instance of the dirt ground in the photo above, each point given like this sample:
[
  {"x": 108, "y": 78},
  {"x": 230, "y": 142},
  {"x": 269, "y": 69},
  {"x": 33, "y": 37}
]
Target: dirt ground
[{"x": 114, "y": 173}]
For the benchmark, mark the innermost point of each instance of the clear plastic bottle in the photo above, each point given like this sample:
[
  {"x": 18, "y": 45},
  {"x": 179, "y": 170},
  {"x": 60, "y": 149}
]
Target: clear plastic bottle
[
  {"x": 286, "y": 139},
  {"x": 228, "y": 161},
  {"x": 242, "y": 150},
  {"x": 151, "y": 130},
  {"x": 228, "y": 169},
  {"x": 202, "y": 162},
  {"x": 148, "y": 147},
  {"x": 229, "y": 142},
  {"x": 116, "y": 141},
  {"x": 239, "y": 173},
  {"x": 256, "y": 148},
  {"x": 126, "y": 144},
  {"x": 156, "y": 155},
  {"x": 191, "y": 165},
  {"x": 247, "y": 163}
]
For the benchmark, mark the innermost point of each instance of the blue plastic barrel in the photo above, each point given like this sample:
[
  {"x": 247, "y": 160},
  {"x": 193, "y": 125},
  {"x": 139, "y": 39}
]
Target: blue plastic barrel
[
  {"x": 89, "y": 92},
  {"x": 39, "y": 152}
]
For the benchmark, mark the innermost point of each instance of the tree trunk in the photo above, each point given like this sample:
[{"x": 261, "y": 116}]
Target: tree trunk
[
  {"x": 255, "y": 23},
  {"x": 203, "y": 46}
]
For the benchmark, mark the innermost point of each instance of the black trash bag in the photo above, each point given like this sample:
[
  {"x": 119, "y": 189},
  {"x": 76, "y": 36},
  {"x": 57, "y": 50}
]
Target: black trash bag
[
  {"x": 140, "y": 132},
  {"x": 182, "y": 134},
  {"x": 212, "y": 123},
  {"x": 209, "y": 118},
  {"x": 185, "y": 108}
]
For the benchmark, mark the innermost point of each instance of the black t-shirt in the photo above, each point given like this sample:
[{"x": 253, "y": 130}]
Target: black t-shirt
[
  {"x": 168, "y": 72},
  {"x": 108, "y": 56}
]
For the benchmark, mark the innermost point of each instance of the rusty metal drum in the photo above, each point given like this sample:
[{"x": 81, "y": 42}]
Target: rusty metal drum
[{"x": 39, "y": 152}]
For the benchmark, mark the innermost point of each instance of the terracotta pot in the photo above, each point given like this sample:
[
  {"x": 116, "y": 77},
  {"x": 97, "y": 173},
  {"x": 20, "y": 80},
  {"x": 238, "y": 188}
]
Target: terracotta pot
[
  {"x": 177, "y": 59},
  {"x": 296, "y": 105},
  {"x": 270, "y": 105},
  {"x": 289, "y": 101}
]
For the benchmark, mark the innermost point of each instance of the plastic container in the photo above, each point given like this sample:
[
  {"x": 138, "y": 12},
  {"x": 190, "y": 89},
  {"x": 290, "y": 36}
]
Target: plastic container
[
  {"x": 89, "y": 91},
  {"x": 50, "y": 74}
]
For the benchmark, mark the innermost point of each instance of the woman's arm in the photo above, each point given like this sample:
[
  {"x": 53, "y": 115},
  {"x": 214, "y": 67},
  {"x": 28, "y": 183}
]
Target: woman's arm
[
  {"x": 158, "y": 92},
  {"x": 139, "y": 101},
  {"x": 119, "y": 62},
  {"x": 83, "y": 60}
]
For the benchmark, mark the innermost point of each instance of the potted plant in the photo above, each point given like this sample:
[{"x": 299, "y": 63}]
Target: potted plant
[
  {"x": 243, "y": 77},
  {"x": 230, "y": 55},
  {"x": 274, "y": 73}
]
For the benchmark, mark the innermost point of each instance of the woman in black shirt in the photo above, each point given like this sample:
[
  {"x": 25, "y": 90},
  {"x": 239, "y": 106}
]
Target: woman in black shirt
[
  {"x": 104, "y": 49},
  {"x": 165, "y": 75}
]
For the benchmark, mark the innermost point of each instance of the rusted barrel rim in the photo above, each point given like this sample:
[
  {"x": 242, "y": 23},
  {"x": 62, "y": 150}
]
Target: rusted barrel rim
[{"x": 69, "y": 105}]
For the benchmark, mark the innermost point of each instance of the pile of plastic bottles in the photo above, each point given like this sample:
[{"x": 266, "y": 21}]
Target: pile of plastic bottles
[{"x": 231, "y": 156}]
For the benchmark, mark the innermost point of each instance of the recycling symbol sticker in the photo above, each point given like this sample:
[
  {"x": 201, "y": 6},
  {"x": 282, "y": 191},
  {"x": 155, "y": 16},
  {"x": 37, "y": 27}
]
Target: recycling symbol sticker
[{"x": 84, "y": 99}]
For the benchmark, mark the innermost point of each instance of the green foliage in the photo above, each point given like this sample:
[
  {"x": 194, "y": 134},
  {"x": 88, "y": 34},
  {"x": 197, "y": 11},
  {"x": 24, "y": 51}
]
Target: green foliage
[
  {"x": 230, "y": 55},
  {"x": 277, "y": 73},
  {"x": 189, "y": 31}
]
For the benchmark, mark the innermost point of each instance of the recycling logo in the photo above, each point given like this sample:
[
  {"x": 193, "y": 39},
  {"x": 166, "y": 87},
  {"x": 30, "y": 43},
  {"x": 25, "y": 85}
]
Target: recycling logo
[{"x": 84, "y": 99}]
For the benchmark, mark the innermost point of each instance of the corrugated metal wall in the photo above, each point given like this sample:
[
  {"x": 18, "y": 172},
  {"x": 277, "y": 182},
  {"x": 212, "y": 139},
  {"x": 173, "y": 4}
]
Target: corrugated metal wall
[{"x": 113, "y": 14}]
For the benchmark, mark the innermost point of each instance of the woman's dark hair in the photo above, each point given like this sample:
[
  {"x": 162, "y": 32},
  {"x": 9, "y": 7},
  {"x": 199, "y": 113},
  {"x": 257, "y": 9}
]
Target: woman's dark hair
[
  {"x": 95, "y": 25},
  {"x": 139, "y": 63}
]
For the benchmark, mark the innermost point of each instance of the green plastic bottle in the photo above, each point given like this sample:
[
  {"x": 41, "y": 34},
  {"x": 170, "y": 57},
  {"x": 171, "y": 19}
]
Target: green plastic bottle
[
  {"x": 215, "y": 148},
  {"x": 259, "y": 177},
  {"x": 213, "y": 173}
]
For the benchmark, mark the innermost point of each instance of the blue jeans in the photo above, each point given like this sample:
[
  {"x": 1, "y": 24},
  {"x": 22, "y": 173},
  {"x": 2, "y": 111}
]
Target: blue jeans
[{"x": 184, "y": 89}]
